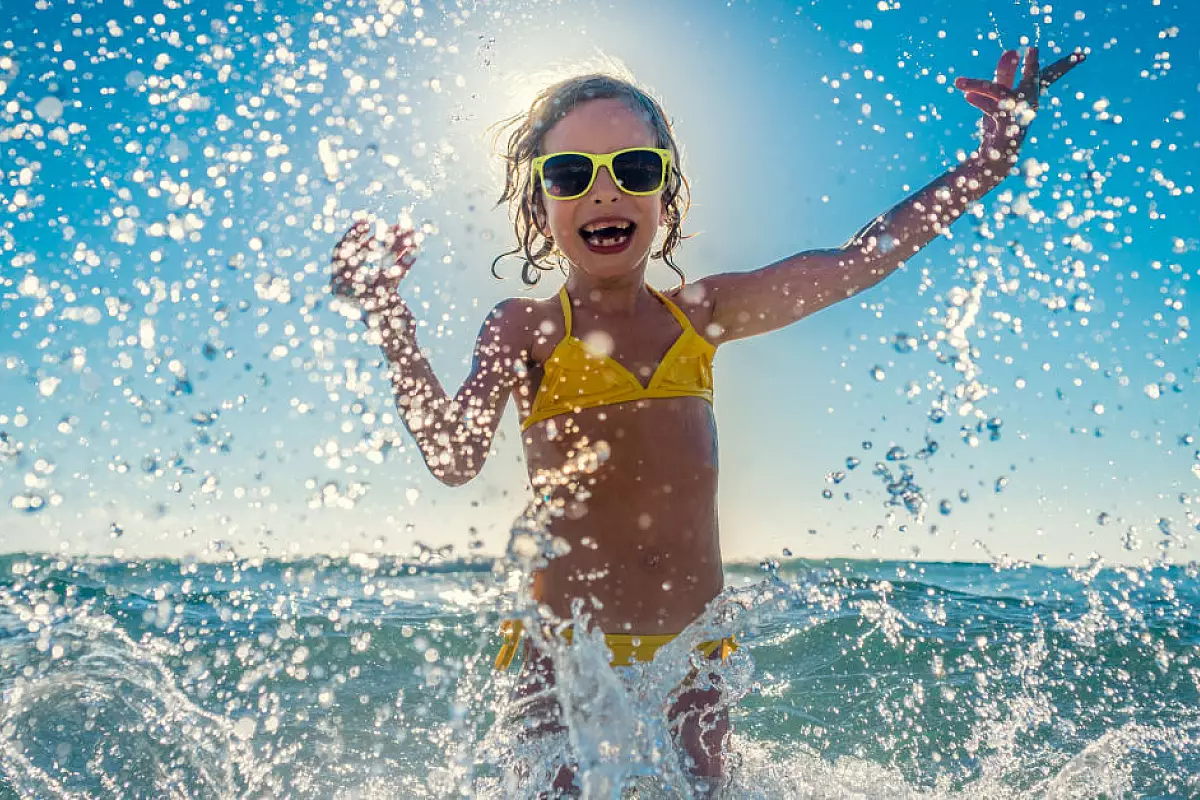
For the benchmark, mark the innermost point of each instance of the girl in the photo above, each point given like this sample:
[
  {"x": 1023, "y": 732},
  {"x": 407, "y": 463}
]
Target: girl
[{"x": 618, "y": 375}]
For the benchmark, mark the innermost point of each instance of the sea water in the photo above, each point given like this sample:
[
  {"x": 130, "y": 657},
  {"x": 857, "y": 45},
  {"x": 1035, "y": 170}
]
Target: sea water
[{"x": 372, "y": 677}]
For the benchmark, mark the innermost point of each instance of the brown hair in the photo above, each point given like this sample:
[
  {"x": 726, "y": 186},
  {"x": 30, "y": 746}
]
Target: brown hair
[{"x": 529, "y": 128}]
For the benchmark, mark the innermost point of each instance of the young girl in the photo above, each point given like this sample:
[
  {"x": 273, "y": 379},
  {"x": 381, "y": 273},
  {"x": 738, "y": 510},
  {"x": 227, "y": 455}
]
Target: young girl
[{"x": 614, "y": 370}]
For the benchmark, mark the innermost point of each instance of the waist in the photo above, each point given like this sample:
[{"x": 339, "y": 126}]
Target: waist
[
  {"x": 651, "y": 594},
  {"x": 626, "y": 648}
]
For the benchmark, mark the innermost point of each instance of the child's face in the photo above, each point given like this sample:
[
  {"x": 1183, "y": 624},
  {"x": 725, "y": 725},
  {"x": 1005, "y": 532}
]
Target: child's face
[{"x": 602, "y": 126}]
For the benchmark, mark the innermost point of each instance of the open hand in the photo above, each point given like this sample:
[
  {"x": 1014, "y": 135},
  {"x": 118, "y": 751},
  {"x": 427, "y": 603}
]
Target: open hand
[
  {"x": 1009, "y": 109},
  {"x": 368, "y": 268}
]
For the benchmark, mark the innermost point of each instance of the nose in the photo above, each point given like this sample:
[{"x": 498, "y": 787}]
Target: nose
[{"x": 604, "y": 186}]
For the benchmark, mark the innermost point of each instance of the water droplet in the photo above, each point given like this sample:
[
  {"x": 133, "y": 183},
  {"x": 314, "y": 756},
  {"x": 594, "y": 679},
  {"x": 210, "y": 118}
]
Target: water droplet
[
  {"x": 29, "y": 502},
  {"x": 896, "y": 453},
  {"x": 852, "y": 462},
  {"x": 116, "y": 531},
  {"x": 904, "y": 343},
  {"x": 930, "y": 448},
  {"x": 524, "y": 546},
  {"x": 944, "y": 507},
  {"x": 49, "y": 108},
  {"x": 1001, "y": 484},
  {"x": 598, "y": 343},
  {"x": 244, "y": 728},
  {"x": 877, "y": 373}
]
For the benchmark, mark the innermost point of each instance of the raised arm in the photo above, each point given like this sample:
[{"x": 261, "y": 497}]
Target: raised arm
[
  {"x": 750, "y": 303},
  {"x": 454, "y": 434}
]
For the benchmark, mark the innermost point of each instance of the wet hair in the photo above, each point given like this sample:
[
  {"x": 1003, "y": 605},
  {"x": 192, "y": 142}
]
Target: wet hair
[{"x": 527, "y": 131}]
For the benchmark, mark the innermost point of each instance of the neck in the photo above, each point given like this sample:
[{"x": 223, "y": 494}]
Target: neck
[{"x": 616, "y": 295}]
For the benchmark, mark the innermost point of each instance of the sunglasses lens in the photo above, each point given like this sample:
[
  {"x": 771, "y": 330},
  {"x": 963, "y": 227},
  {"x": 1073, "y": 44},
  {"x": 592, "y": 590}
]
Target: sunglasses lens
[
  {"x": 566, "y": 175},
  {"x": 639, "y": 170}
]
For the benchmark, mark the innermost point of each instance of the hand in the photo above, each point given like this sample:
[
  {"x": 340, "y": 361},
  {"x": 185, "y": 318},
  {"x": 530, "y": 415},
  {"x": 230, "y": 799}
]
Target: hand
[
  {"x": 1008, "y": 109},
  {"x": 367, "y": 269}
]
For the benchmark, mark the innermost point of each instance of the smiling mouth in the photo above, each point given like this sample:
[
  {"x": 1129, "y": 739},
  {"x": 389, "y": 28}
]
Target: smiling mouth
[{"x": 608, "y": 235}]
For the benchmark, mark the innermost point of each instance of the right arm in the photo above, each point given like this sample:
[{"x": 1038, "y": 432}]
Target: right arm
[{"x": 454, "y": 434}]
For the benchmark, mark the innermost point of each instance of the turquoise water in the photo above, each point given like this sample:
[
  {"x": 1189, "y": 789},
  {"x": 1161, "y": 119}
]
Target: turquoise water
[{"x": 368, "y": 677}]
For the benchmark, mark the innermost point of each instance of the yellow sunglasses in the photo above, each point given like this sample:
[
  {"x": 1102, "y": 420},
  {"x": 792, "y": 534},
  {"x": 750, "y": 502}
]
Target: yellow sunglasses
[{"x": 636, "y": 170}]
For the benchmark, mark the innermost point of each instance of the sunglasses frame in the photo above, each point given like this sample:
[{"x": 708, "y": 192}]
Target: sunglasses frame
[{"x": 599, "y": 160}]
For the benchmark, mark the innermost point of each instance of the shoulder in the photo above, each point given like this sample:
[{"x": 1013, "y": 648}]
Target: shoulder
[
  {"x": 520, "y": 324},
  {"x": 695, "y": 300}
]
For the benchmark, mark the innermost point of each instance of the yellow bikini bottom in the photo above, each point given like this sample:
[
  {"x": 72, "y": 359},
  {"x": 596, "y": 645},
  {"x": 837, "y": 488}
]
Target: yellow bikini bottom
[{"x": 627, "y": 648}]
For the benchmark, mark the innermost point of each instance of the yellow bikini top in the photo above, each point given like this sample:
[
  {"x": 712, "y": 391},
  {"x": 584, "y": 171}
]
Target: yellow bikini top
[{"x": 577, "y": 377}]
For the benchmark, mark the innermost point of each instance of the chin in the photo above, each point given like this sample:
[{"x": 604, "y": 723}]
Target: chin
[{"x": 615, "y": 266}]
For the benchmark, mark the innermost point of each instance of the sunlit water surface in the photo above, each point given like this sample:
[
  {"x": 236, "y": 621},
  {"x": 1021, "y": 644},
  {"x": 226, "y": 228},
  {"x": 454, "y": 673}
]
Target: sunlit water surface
[{"x": 327, "y": 678}]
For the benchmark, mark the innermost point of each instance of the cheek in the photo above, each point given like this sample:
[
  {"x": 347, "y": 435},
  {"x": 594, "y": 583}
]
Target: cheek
[{"x": 559, "y": 216}]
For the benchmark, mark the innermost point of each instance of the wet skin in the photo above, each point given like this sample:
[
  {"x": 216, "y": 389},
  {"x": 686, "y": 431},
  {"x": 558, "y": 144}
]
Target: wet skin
[{"x": 642, "y": 527}]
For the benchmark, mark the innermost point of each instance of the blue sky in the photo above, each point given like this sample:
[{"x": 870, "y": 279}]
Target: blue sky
[{"x": 172, "y": 381}]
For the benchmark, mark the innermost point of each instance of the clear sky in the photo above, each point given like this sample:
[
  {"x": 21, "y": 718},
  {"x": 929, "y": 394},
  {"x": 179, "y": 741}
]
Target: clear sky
[{"x": 175, "y": 175}]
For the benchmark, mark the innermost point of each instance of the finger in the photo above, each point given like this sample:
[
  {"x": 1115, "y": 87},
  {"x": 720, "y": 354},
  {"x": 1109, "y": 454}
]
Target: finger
[
  {"x": 351, "y": 242},
  {"x": 1052, "y": 73},
  {"x": 986, "y": 104},
  {"x": 1006, "y": 68},
  {"x": 980, "y": 86},
  {"x": 358, "y": 229},
  {"x": 1030, "y": 73},
  {"x": 402, "y": 238},
  {"x": 354, "y": 233},
  {"x": 348, "y": 253}
]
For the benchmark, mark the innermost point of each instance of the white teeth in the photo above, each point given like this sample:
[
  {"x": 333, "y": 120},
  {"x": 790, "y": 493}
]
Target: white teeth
[
  {"x": 609, "y": 242},
  {"x": 595, "y": 226}
]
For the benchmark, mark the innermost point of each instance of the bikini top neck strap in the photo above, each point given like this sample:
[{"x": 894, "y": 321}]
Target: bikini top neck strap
[
  {"x": 566, "y": 307},
  {"x": 678, "y": 314}
]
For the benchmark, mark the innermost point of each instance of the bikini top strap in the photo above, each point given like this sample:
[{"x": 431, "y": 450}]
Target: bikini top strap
[
  {"x": 679, "y": 316},
  {"x": 566, "y": 307}
]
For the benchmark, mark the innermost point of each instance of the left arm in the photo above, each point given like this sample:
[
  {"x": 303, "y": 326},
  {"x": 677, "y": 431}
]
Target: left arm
[{"x": 750, "y": 303}]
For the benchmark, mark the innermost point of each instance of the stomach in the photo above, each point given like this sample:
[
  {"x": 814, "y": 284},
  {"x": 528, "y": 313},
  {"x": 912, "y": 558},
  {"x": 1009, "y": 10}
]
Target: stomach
[{"x": 634, "y": 490}]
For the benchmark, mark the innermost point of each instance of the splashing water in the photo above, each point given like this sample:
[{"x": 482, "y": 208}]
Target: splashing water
[
  {"x": 184, "y": 417},
  {"x": 327, "y": 678}
]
